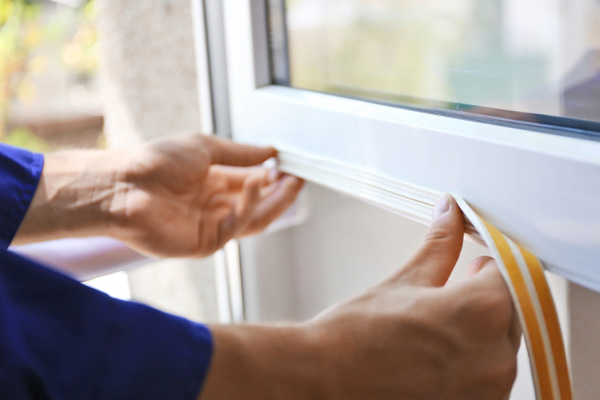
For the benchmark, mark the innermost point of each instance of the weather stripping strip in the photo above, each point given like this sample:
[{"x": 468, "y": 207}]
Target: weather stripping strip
[{"x": 521, "y": 270}]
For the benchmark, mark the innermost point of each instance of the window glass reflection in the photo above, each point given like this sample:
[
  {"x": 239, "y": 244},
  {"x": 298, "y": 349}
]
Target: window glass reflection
[{"x": 535, "y": 56}]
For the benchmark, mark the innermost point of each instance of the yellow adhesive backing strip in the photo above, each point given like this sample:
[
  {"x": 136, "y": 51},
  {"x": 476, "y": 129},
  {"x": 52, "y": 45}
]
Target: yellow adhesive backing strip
[
  {"x": 529, "y": 322},
  {"x": 524, "y": 276},
  {"x": 558, "y": 351}
]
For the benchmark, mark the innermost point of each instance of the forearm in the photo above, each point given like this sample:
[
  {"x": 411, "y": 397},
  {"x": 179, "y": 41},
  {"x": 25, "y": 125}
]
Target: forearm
[
  {"x": 263, "y": 363},
  {"x": 78, "y": 195},
  {"x": 184, "y": 196}
]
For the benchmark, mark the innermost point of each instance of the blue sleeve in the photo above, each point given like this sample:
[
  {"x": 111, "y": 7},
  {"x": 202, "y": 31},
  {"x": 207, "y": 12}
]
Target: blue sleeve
[
  {"x": 20, "y": 173},
  {"x": 61, "y": 340}
]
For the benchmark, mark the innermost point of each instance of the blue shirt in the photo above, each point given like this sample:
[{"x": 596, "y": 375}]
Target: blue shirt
[{"x": 61, "y": 340}]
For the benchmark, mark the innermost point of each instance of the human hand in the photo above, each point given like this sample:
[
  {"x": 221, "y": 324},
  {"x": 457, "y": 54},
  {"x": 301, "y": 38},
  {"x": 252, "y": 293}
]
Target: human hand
[
  {"x": 410, "y": 337},
  {"x": 189, "y": 195},
  {"x": 180, "y": 196}
]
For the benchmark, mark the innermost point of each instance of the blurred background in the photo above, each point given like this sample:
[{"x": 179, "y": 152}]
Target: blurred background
[
  {"x": 106, "y": 74},
  {"x": 49, "y": 86}
]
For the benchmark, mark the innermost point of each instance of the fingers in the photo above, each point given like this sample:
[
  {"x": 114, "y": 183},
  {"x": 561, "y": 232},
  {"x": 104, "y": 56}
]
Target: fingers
[
  {"x": 249, "y": 200},
  {"x": 490, "y": 274},
  {"x": 245, "y": 207},
  {"x": 485, "y": 274},
  {"x": 477, "y": 264},
  {"x": 278, "y": 200},
  {"x": 487, "y": 283},
  {"x": 254, "y": 211},
  {"x": 515, "y": 332},
  {"x": 487, "y": 264},
  {"x": 433, "y": 262},
  {"x": 226, "y": 152},
  {"x": 234, "y": 178}
]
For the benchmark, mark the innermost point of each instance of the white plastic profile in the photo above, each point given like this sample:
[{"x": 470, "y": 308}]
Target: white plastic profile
[
  {"x": 540, "y": 189},
  {"x": 409, "y": 200}
]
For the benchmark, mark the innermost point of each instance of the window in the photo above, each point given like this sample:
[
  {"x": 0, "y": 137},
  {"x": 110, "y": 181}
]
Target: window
[
  {"x": 536, "y": 62},
  {"x": 539, "y": 188}
]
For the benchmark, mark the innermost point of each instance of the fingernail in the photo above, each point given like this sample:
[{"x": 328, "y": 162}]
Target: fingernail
[
  {"x": 477, "y": 265},
  {"x": 441, "y": 207}
]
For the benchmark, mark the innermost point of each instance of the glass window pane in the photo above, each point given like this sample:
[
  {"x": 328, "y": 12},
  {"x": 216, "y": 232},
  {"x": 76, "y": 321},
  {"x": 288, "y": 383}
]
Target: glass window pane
[{"x": 533, "y": 60}]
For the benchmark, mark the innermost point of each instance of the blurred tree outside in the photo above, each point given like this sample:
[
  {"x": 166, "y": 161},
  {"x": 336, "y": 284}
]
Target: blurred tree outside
[{"x": 48, "y": 52}]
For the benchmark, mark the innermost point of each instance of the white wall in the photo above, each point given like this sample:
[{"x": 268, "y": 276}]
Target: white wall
[
  {"x": 584, "y": 313},
  {"x": 344, "y": 246}
]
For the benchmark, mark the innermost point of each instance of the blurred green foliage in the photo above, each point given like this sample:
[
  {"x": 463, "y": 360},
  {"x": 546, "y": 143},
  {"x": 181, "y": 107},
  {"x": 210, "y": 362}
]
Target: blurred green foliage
[
  {"x": 22, "y": 137},
  {"x": 18, "y": 37},
  {"x": 24, "y": 35},
  {"x": 80, "y": 53}
]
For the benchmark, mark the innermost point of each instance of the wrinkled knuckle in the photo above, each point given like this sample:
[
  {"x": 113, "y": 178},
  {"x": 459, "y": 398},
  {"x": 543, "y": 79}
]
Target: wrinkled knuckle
[{"x": 438, "y": 234}]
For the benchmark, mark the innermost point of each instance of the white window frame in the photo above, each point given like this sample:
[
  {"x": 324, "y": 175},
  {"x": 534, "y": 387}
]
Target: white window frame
[{"x": 541, "y": 189}]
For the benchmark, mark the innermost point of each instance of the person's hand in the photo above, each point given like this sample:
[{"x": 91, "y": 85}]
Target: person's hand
[
  {"x": 189, "y": 195},
  {"x": 410, "y": 337},
  {"x": 180, "y": 196}
]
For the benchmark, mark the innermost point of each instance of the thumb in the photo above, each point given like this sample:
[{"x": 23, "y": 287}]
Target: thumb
[{"x": 433, "y": 262}]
